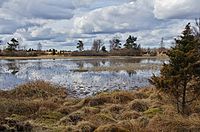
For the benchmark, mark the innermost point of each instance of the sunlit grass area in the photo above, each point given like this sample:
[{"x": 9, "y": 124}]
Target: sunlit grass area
[{"x": 42, "y": 106}]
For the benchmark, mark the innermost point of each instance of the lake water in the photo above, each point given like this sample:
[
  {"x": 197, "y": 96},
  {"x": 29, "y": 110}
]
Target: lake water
[{"x": 83, "y": 77}]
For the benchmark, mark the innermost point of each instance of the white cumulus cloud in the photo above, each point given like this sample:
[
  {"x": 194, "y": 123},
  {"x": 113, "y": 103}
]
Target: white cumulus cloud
[{"x": 177, "y": 9}]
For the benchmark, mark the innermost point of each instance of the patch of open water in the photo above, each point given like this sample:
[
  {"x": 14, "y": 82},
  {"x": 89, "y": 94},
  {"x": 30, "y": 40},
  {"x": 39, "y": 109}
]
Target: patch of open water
[{"x": 81, "y": 83}]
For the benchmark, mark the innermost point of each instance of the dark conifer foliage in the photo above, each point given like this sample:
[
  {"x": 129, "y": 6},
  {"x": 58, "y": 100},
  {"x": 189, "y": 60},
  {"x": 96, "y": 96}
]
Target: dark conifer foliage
[
  {"x": 181, "y": 77},
  {"x": 131, "y": 42},
  {"x": 80, "y": 45},
  {"x": 13, "y": 44}
]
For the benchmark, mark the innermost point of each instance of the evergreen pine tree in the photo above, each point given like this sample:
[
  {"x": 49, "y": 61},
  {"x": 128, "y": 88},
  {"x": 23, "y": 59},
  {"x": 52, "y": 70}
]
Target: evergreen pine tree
[
  {"x": 80, "y": 45},
  {"x": 181, "y": 77},
  {"x": 130, "y": 42}
]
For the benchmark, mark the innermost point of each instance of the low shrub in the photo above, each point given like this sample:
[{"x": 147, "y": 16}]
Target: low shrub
[{"x": 88, "y": 53}]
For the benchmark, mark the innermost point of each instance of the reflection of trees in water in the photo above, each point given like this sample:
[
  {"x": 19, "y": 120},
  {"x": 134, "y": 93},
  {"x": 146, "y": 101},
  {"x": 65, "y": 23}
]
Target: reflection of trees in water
[
  {"x": 80, "y": 64},
  {"x": 95, "y": 63},
  {"x": 39, "y": 65},
  {"x": 151, "y": 59},
  {"x": 27, "y": 76},
  {"x": 131, "y": 73},
  {"x": 164, "y": 61},
  {"x": 13, "y": 67},
  {"x": 1, "y": 67},
  {"x": 111, "y": 62},
  {"x": 103, "y": 62},
  {"x": 124, "y": 61}
]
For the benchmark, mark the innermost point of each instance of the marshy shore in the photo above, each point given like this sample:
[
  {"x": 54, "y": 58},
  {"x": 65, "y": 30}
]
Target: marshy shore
[{"x": 42, "y": 106}]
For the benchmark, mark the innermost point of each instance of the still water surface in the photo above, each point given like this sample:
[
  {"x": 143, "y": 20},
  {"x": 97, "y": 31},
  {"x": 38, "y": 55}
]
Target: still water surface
[{"x": 81, "y": 76}]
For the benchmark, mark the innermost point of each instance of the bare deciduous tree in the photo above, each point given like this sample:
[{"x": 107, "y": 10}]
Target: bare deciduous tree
[{"x": 97, "y": 44}]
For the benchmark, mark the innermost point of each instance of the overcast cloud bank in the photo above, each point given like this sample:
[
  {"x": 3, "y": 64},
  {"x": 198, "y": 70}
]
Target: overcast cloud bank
[{"x": 62, "y": 23}]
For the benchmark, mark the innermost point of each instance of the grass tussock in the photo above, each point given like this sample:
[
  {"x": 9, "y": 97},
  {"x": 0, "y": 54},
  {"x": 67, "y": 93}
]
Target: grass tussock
[
  {"x": 42, "y": 106},
  {"x": 37, "y": 89},
  {"x": 111, "y": 128},
  {"x": 86, "y": 126},
  {"x": 129, "y": 115},
  {"x": 138, "y": 105}
]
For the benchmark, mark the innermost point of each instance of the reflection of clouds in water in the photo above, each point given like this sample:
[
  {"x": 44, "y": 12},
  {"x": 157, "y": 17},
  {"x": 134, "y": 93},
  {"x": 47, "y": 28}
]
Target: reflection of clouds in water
[
  {"x": 59, "y": 71},
  {"x": 154, "y": 61},
  {"x": 8, "y": 81}
]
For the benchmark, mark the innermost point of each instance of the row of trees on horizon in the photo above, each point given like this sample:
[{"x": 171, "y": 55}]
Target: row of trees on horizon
[
  {"x": 115, "y": 44},
  {"x": 98, "y": 45}
]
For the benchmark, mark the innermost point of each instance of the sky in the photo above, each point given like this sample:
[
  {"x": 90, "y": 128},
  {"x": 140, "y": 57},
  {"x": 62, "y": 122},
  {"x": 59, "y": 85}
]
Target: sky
[{"x": 61, "y": 23}]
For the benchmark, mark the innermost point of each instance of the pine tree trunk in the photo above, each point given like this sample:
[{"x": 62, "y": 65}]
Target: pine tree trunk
[
  {"x": 177, "y": 106},
  {"x": 184, "y": 98},
  {"x": 177, "y": 101}
]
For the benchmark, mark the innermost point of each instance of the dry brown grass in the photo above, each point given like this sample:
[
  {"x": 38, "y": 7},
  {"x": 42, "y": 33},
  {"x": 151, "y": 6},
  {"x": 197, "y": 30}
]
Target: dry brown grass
[
  {"x": 129, "y": 115},
  {"x": 86, "y": 126},
  {"x": 111, "y": 128},
  {"x": 174, "y": 123},
  {"x": 47, "y": 108},
  {"x": 116, "y": 108},
  {"x": 138, "y": 105},
  {"x": 37, "y": 89}
]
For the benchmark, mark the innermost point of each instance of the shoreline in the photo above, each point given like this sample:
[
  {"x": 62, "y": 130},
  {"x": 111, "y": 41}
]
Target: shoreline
[{"x": 77, "y": 57}]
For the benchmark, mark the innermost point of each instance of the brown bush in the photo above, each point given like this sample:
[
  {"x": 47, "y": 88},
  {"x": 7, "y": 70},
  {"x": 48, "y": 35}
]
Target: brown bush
[
  {"x": 88, "y": 53},
  {"x": 21, "y": 53},
  {"x": 126, "y": 52}
]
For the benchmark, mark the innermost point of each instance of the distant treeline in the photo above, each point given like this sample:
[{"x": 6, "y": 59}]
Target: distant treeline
[{"x": 129, "y": 48}]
